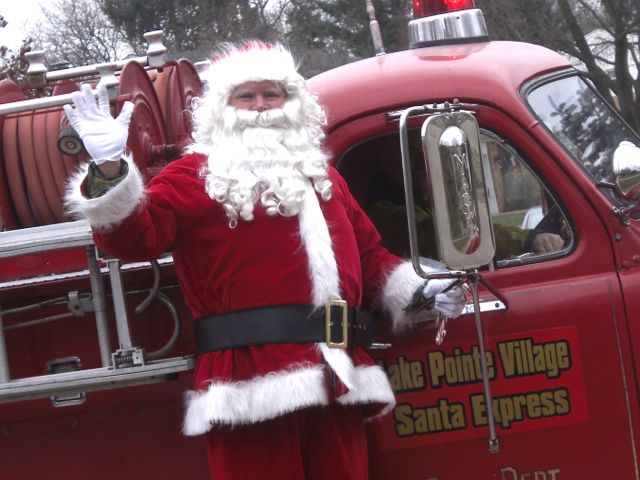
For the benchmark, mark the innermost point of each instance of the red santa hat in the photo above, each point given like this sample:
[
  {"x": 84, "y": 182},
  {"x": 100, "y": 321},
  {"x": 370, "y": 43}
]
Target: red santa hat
[{"x": 251, "y": 61}]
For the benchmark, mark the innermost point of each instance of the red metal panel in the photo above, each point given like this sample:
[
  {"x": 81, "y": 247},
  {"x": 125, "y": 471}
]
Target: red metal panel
[
  {"x": 133, "y": 433},
  {"x": 564, "y": 334},
  {"x": 491, "y": 73}
]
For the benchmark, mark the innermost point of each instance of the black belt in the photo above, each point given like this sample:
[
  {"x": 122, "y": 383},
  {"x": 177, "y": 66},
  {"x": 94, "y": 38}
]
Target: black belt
[{"x": 337, "y": 324}]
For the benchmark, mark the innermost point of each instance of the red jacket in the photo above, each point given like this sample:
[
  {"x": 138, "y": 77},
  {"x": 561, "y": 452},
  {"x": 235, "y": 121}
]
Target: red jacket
[{"x": 263, "y": 262}]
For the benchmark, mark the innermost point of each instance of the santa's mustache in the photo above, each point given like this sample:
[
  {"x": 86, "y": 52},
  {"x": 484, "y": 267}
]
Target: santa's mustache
[{"x": 274, "y": 117}]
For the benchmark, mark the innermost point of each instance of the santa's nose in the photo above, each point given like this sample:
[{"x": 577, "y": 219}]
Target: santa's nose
[{"x": 260, "y": 104}]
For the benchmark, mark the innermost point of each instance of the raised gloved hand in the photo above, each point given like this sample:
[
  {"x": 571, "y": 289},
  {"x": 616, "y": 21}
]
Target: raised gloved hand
[
  {"x": 104, "y": 137},
  {"x": 448, "y": 296}
]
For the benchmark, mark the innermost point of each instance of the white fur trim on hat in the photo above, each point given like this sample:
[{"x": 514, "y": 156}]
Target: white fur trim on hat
[
  {"x": 110, "y": 209},
  {"x": 255, "y": 400},
  {"x": 252, "y": 61}
]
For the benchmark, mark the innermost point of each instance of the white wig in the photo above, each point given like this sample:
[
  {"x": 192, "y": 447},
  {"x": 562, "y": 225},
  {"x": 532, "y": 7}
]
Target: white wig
[
  {"x": 243, "y": 160},
  {"x": 251, "y": 61}
]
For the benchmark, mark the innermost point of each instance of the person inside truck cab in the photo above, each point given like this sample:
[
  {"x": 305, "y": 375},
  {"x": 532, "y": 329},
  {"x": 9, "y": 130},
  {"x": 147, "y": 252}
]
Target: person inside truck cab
[
  {"x": 270, "y": 249},
  {"x": 382, "y": 197}
]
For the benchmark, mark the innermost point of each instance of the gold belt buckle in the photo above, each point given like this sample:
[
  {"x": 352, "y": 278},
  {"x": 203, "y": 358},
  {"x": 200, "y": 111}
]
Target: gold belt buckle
[{"x": 345, "y": 323}]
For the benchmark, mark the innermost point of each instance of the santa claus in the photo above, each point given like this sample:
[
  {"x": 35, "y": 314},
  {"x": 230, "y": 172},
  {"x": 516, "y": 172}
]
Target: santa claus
[{"x": 270, "y": 248}]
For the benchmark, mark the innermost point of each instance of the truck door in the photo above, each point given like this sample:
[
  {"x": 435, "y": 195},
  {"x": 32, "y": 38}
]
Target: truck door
[{"x": 554, "y": 327}]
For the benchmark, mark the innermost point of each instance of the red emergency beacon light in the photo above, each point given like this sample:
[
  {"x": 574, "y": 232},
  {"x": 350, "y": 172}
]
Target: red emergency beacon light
[
  {"x": 426, "y": 8},
  {"x": 440, "y": 22}
]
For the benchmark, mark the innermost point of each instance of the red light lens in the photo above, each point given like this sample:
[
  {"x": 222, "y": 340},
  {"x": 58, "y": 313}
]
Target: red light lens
[
  {"x": 425, "y": 8},
  {"x": 455, "y": 4}
]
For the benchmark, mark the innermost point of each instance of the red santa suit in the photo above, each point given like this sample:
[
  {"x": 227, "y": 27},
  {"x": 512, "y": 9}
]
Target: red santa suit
[
  {"x": 260, "y": 263},
  {"x": 329, "y": 250}
]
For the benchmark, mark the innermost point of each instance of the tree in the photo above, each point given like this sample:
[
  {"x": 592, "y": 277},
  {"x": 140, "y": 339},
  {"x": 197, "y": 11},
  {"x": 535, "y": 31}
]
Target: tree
[
  {"x": 79, "y": 33},
  {"x": 329, "y": 33},
  {"x": 324, "y": 33},
  {"x": 13, "y": 65},
  {"x": 602, "y": 35},
  {"x": 194, "y": 27}
]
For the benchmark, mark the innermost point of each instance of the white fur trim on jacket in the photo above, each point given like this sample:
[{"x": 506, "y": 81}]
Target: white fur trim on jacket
[
  {"x": 323, "y": 270},
  {"x": 251, "y": 401},
  {"x": 110, "y": 209},
  {"x": 318, "y": 247},
  {"x": 370, "y": 384},
  {"x": 398, "y": 290}
]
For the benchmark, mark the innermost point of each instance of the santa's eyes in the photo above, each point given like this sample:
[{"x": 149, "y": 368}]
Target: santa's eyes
[
  {"x": 258, "y": 96},
  {"x": 276, "y": 94},
  {"x": 244, "y": 96}
]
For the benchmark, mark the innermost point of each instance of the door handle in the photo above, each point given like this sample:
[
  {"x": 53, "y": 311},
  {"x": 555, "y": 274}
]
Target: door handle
[{"x": 486, "y": 306}]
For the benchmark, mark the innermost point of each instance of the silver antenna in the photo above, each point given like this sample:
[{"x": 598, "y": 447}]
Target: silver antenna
[{"x": 375, "y": 29}]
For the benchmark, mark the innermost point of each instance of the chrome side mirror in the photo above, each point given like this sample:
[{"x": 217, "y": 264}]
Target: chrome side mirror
[
  {"x": 451, "y": 146},
  {"x": 626, "y": 170}
]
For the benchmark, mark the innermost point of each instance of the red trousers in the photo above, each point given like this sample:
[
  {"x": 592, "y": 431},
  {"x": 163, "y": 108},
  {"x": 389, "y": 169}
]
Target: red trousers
[{"x": 311, "y": 444}]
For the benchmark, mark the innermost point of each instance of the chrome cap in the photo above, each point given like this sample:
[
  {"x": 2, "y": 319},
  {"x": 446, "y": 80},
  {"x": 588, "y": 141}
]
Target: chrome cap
[{"x": 453, "y": 27}]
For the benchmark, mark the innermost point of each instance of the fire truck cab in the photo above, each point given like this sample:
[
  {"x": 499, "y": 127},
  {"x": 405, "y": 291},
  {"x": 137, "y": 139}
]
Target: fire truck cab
[
  {"x": 559, "y": 325},
  {"x": 557, "y": 336}
]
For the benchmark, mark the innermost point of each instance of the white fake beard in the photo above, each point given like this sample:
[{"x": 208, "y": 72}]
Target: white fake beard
[{"x": 261, "y": 158}]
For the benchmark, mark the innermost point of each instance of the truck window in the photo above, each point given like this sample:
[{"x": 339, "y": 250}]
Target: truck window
[
  {"x": 581, "y": 121},
  {"x": 528, "y": 224},
  {"x": 523, "y": 211}
]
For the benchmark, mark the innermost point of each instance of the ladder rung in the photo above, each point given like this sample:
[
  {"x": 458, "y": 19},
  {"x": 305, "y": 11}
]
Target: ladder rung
[
  {"x": 92, "y": 379},
  {"x": 45, "y": 238}
]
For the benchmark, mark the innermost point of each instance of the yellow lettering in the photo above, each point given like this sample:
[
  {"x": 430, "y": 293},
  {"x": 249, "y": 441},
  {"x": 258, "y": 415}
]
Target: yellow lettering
[
  {"x": 515, "y": 408},
  {"x": 406, "y": 375},
  {"x": 441, "y": 417},
  {"x": 402, "y": 415},
  {"x": 458, "y": 368},
  {"x": 561, "y": 397},
  {"x": 524, "y": 356}
]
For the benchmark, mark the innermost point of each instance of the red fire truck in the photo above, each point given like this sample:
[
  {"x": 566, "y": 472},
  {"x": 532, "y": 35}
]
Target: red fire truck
[{"x": 490, "y": 143}]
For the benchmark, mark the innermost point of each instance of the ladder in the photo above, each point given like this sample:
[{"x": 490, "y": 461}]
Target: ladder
[{"x": 126, "y": 366}]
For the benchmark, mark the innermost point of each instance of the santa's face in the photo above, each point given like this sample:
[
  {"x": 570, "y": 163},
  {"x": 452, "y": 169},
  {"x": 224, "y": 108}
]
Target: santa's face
[
  {"x": 262, "y": 148},
  {"x": 257, "y": 96}
]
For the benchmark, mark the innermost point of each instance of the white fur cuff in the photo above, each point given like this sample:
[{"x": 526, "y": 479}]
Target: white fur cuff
[
  {"x": 251, "y": 401},
  {"x": 397, "y": 293},
  {"x": 110, "y": 209}
]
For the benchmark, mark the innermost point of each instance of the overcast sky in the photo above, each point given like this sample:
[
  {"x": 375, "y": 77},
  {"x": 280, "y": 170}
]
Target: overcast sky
[{"x": 20, "y": 14}]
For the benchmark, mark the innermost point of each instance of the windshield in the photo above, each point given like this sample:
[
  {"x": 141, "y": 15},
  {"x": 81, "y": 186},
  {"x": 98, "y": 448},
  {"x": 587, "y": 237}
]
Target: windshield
[{"x": 582, "y": 122}]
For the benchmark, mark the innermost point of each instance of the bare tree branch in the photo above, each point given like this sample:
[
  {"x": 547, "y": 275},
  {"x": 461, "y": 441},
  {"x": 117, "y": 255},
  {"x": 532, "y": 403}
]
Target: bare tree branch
[
  {"x": 77, "y": 32},
  {"x": 601, "y": 34}
]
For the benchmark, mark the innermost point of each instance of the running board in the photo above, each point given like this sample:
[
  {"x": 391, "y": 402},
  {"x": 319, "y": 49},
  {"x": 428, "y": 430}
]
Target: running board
[{"x": 93, "y": 379}]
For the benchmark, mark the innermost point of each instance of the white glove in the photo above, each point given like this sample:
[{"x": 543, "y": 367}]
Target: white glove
[
  {"x": 450, "y": 303},
  {"x": 104, "y": 137}
]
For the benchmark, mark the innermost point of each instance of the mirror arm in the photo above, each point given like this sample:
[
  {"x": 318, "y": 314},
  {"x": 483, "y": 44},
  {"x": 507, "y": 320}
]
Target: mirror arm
[
  {"x": 611, "y": 186},
  {"x": 493, "y": 291},
  {"x": 408, "y": 187},
  {"x": 623, "y": 213}
]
